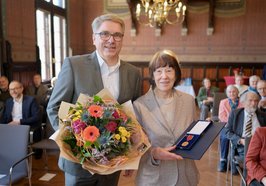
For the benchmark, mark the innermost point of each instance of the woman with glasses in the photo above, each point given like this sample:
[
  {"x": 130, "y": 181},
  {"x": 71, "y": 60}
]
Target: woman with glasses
[{"x": 165, "y": 113}]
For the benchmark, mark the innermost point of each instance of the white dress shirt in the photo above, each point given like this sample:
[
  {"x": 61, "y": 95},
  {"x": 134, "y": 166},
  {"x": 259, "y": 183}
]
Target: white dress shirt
[
  {"x": 17, "y": 109},
  {"x": 110, "y": 76}
]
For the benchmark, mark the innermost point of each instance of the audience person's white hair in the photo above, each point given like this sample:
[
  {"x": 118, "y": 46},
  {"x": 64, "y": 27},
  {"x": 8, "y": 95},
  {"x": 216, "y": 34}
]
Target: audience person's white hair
[
  {"x": 231, "y": 87},
  {"x": 253, "y": 78},
  {"x": 53, "y": 81},
  {"x": 243, "y": 97}
]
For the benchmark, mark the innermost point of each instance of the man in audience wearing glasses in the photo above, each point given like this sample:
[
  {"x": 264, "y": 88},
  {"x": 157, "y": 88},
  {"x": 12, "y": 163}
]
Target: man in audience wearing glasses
[
  {"x": 89, "y": 74},
  {"x": 243, "y": 122},
  {"x": 20, "y": 109}
]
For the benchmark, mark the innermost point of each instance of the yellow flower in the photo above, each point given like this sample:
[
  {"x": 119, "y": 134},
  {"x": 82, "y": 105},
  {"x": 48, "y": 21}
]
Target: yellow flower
[
  {"x": 123, "y": 139},
  {"x": 123, "y": 132},
  {"x": 121, "y": 129},
  {"x": 75, "y": 118},
  {"x": 117, "y": 136},
  {"x": 128, "y": 135}
]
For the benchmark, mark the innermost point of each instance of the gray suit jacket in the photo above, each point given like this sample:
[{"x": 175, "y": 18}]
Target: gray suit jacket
[
  {"x": 81, "y": 74},
  {"x": 234, "y": 127},
  {"x": 164, "y": 134}
]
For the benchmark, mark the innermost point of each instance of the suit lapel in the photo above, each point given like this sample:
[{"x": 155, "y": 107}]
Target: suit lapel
[
  {"x": 95, "y": 72},
  {"x": 241, "y": 121},
  {"x": 24, "y": 106},
  {"x": 122, "y": 80}
]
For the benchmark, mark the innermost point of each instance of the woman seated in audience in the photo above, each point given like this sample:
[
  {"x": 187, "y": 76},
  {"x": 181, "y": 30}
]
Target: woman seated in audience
[
  {"x": 225, "y": 107},
  {"x": 253, "y": 80},
  {"x": 239, "y": 80},
  {"x": 256, "y": 159}
]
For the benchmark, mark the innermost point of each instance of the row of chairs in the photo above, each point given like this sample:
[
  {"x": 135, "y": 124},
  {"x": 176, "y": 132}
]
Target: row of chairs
[
  {"x": 17, "y": 149},
  {"x": 233, "y": 158},
  {"x": 238, "y": 162}
]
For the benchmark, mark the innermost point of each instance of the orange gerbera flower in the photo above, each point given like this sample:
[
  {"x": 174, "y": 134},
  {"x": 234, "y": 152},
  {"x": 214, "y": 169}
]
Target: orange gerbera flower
[
  {"x": 91, "y": 133},
  {"x": 95, "y": 111}
]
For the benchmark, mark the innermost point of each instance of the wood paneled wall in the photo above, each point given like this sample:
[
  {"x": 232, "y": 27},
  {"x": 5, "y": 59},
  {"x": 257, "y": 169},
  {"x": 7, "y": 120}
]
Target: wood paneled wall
[
  {"x": 21, "y": 71},
  {"x": 198, "y": 71},
  {"x": 24, "y": 71}
]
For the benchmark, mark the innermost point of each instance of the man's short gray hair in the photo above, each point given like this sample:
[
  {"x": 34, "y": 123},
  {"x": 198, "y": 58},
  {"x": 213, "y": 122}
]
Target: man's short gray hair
[{"x": 97, "y": 22}]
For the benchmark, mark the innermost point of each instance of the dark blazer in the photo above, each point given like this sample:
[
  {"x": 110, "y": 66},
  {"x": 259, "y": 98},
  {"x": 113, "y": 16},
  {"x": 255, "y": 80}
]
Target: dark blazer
[
  {"x": 30, "y": 111},
  {"x": 234, "y": 127},
  {"x": 81, "y": 74}
]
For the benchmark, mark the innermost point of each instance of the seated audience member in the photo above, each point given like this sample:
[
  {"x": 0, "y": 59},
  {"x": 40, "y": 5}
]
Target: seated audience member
[
  {"x": 38, "y": 90},
  {"x": 225, "y": 107},
  {"x": 4, "y": 93},
  {"x": 50, "y": 90},
  {"x": 239, "y": 83},
  {"x": 22, "y": 110},
  {"x": 256, "y": 159},
  {"x": 243, "y": 122},
  {"x": 205, "y": 98},
  {"x": 253, "y": 80},
  {"x": 261, "y": 87}
]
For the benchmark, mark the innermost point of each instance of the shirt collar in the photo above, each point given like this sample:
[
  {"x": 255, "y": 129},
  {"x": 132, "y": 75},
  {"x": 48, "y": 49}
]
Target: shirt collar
[
  {"x": 19, "y": 100},
  {"x": 103, "y": 64}
]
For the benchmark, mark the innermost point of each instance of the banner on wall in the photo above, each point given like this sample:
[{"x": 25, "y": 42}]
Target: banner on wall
[
  {"x": 119, "y": 7},
  {"x": 223, "y": 8}
]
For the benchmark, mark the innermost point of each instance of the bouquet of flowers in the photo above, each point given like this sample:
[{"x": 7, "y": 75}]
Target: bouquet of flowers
[{"x": 101, "y": 135}]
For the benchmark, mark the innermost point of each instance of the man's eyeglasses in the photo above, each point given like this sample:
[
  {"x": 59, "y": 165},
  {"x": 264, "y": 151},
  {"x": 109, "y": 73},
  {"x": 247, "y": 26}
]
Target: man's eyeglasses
[
  {"x": 14, "y": 89},
  {"x": 105, "y": 35}
]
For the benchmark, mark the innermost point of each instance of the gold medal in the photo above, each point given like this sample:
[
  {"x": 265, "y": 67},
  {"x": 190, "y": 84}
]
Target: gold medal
[{"x": 184, "y": 144}]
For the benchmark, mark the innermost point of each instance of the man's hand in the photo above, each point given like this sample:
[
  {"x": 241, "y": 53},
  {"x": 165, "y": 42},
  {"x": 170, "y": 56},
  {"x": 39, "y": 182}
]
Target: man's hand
[
  {"x": 262, "y": 104},
  {"x": 159, "y": 153},
  {"x": 242, "y": 141},
  {"x": 14, "y": 123}
]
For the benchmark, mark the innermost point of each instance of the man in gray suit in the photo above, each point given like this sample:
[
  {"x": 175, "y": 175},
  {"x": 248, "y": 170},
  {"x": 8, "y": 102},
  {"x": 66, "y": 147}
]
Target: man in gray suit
[
  {"x": 89, "y": 74},
  {"x": 237, "y": 121}
]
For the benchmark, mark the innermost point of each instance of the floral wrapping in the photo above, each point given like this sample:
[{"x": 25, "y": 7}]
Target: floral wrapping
[{"x": 100, "y": 134}]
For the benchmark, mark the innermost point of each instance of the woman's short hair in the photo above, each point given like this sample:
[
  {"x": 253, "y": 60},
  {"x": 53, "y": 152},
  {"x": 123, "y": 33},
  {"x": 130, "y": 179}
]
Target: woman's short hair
[
  {"x": 164, "y": 58},
  {"x": 97, "y": 22},
  {"x": 230, "y": 87}
]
